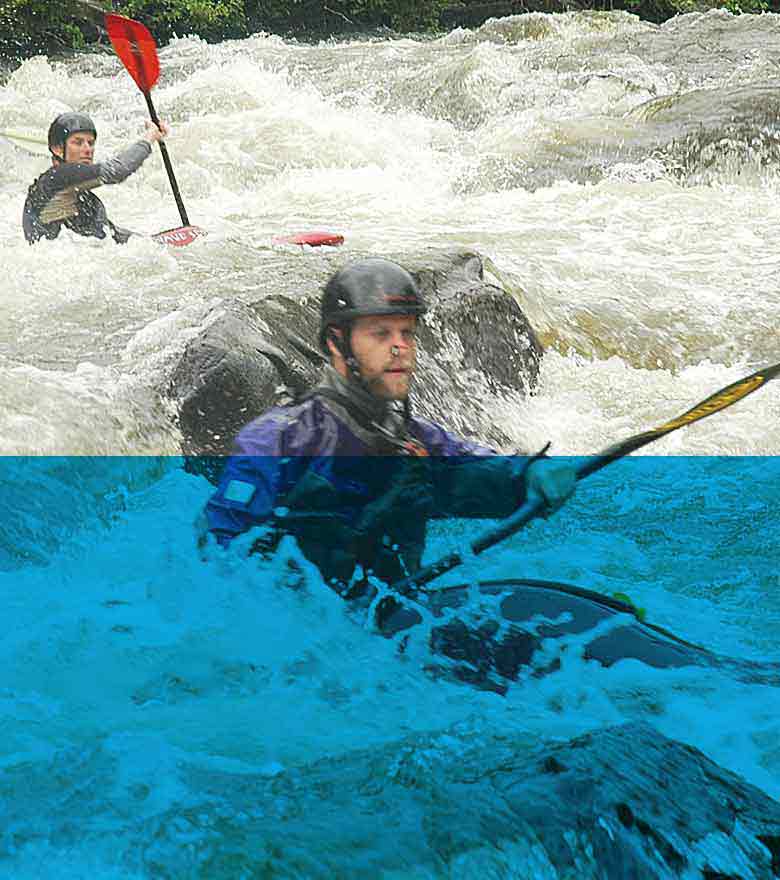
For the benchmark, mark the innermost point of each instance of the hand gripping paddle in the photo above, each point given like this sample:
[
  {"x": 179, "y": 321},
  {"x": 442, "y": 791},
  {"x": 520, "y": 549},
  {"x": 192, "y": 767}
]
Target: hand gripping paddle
[
  {"x": 535, "y": 507},
  {"x": 137, "y": 50}
]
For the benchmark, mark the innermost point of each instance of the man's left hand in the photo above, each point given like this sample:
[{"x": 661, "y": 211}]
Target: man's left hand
[
  {"x": 154, "y": 132},
  {"x": 553, "y": 480}
]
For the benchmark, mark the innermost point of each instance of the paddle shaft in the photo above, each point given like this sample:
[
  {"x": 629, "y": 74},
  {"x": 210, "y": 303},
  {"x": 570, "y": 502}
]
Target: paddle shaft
[
  {"x": 25, "y": 138},
  {"x": 535, "y": 507},
  {"x": 167, "y": 162}
]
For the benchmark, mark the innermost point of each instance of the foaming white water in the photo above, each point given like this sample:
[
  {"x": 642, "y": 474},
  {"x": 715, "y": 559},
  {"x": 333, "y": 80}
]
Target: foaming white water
[
  {"x": 584, "y": 406},
  {"x": 129, "y": 660},
  {"x": 177, "y": 640},
  {"x": 126, "y": 686},
  {"x": 400, "y": 144}
]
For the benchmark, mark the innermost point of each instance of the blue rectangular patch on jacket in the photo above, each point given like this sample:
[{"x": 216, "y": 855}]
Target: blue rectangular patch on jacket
[{"x": 239, "y": 491}]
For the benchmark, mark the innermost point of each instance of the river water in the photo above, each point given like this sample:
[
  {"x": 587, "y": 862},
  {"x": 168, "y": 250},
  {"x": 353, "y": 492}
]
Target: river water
[{"x": 621, "y": 176}]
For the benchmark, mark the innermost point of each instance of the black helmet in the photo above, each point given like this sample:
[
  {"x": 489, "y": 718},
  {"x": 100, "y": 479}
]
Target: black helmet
[
  {"x": 368, "y": 287},
  {"x": 67, "y": 124}
]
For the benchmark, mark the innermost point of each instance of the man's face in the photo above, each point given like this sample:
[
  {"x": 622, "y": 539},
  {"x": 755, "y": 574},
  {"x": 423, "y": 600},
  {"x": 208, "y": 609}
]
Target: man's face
[
  {"x": 79, "y": 147},
  {"x": 386, "y": 350}
]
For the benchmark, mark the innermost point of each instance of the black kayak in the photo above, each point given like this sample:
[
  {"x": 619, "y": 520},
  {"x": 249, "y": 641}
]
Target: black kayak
[{"x": 520, "y": 614}]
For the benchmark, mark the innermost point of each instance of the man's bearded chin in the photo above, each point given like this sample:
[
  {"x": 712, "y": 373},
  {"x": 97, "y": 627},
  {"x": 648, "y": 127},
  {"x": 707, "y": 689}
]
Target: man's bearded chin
[{"x": 379, "y": 388}]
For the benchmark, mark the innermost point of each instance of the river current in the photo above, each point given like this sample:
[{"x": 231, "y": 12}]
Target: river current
[{"x": 622, "y": 178}]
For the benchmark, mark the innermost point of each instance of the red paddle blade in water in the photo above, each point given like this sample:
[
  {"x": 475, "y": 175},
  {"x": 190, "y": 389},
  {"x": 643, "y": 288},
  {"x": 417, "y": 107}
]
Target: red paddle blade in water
[
  {"x": 179, "y": 237},
  {"x": 136, "y": 49},
  {"x": 313, "y": 239}
]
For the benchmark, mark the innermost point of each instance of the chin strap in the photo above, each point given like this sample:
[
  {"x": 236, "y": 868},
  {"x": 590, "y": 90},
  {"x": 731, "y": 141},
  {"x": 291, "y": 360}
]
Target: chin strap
[
  {"x": 406, "y": 444},
  {"x": 343, "y": 344}
]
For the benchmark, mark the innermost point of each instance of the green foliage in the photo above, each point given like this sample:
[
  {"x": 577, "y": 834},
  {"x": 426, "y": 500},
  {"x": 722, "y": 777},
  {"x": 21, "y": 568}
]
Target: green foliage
[
  {"x": 56, "y": 26},
  {"x": 402, "y": 15},
  {"x": 210, "y": 19},
  {"x": 30, "y": 26},
  {"x": 27, "y": 26},
  {"x": 738, "y": 7},
  {"x": 338, "y": 15}
]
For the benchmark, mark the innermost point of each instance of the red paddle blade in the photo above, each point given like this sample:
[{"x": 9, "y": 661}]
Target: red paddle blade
[
  {"x": 179, "y": 237},
  {"x": 313, "y": 239},
  {"x": 136, "y": 49}
]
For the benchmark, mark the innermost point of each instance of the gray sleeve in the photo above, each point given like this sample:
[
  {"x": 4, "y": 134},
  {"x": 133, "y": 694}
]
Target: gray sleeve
[{"x": 122, "y": 166}]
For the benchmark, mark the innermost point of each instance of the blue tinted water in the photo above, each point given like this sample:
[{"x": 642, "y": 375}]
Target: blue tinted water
[{"x": 126, "y": 658}]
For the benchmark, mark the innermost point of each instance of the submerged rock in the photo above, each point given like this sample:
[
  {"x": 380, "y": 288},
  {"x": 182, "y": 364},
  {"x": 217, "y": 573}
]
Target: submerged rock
[
  {"x": 475, "y": 341},
  {"x": 621, "y": 802}
]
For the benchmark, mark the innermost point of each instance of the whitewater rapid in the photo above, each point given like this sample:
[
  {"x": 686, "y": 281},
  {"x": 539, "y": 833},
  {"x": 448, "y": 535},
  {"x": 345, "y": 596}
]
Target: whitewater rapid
[
  {"x": 622, "y": 180},
  {"x": 535, "y": 140}
]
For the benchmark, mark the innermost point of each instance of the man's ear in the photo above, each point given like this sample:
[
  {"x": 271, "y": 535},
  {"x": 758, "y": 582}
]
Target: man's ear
[
  {"x": 333, "y": 336},
  {"x": 59, "y": 152}
]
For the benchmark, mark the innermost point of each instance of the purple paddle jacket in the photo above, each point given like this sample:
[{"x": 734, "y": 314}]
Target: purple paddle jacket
[{"x": 321, "y": 470}]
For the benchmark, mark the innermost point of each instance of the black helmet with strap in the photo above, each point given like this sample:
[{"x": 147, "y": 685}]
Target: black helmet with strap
[
  {"x": 373, "y": 286},
  {"x": 67, "y": 124}
]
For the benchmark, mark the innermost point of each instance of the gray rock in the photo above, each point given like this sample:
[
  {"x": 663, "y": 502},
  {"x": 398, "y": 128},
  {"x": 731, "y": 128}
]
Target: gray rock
[
  {"x": 622, "y": 803},
  {"x": 475, "y": 341}
]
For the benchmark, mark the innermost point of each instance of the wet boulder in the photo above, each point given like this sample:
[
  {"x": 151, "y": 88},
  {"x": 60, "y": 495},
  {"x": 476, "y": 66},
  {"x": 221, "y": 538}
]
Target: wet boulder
[
  {"x": 620, "y": 802},
  {"x": 475, "y": 343}
]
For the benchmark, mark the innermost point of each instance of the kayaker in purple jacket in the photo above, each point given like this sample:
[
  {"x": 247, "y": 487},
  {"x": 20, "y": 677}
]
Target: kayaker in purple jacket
[{"x": 348, "y": 470}]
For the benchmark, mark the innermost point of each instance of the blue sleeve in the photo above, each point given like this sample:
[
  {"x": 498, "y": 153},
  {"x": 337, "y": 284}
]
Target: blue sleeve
[
  {"x": 255, "y": 478},
  {"x": 244, "y": 498},
  {"x": 470, "y": 480}
]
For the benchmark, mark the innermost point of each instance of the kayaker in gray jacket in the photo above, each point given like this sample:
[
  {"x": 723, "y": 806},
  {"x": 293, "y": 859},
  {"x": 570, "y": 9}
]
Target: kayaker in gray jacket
[{"x": 62, "y": 195}]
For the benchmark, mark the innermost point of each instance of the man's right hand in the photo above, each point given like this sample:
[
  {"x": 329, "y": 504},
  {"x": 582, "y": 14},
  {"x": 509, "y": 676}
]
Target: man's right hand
[
  {"x": 553, "y": 480},
  {"x": 153, "y": 134}
]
